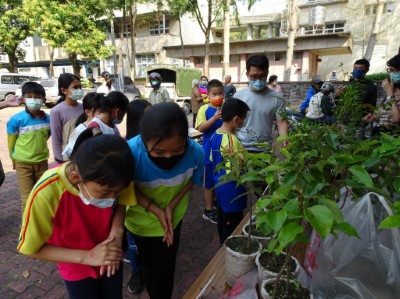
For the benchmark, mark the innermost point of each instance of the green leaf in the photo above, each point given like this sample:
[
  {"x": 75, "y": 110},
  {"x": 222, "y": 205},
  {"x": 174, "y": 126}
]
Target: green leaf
[
  {"x": 320, "y": 218},
  {"x": 292, "y": 208},
  {"x": 396, "y": 184},
  {"x": 362, "y": 175},
  {"x": 287, "y": 234},
  {"x": 313, "y": 189},
  {"x": 391, "y": 222},
  {"x": 272, "y": 244},
  {"x": 285, "y": 152},
  {"x": 275, "y": 219},
  {"x": 334, "y": 208},
  {"x": 270, "y": 178},
  {"x": 347, "y": 228},
  {"x": 290, "y": 178},
  {"x": 331, "y": 139}
]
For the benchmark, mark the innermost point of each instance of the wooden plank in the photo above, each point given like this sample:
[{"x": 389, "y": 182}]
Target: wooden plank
[{"x": 216, "y": 267}]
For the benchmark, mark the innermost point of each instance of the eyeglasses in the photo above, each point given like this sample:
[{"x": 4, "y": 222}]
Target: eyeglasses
[
  {"x": 390, "y": 70},
  {"x": 254, "y": 77}
]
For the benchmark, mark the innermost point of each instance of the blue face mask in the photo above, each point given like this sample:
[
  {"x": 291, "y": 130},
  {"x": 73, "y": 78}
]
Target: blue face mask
[
  {"x": 258, "y": 85},
  {"x": 358, "y": 74},
  {"x": 395, "y": 78}
]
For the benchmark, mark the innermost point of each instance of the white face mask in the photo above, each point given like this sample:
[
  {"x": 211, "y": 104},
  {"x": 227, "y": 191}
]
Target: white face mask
[
  {"x": 102, "y": 203},
  {"x": 33, "y": 103},
  {"x": 76, "y": 94}
]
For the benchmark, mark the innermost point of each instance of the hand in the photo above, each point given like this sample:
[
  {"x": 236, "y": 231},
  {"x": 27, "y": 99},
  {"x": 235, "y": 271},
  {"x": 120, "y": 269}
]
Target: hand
[
  {"x": 13, "y": 101},
  {"x": 388, "y": 87},
  {"x": 340, "y": 90},
  {"x": 168, "y": 236},
  {"x": 104, "y": 254},
  {"x": 169, "y": 213},
  {"x": 217, "y": 114},
  {"x": 369, "y": 118},
  {"x": 114, "y": 265}
]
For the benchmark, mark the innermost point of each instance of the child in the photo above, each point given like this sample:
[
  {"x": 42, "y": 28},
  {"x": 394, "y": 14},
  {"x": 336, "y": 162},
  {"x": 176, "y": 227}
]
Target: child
[
  {"x": 106, "y": 84},
  {"x": 231, "y": 199},
  {"x": 320, "y": 108},
  {"x": 208, "y": 121},
  {"x": 134, "y": 115},
  {"x": 167, "y": 164},
  {"x": 65, "y": 113},
  {"x": 72, "y": 218},
  {"x": 112, "y": 110},
  {"x": 91, "y": 107},
  {"x": 28, "y": 132}
]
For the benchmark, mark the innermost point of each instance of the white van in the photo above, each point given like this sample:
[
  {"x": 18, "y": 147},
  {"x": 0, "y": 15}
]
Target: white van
[{"x": 9, "y": 82}]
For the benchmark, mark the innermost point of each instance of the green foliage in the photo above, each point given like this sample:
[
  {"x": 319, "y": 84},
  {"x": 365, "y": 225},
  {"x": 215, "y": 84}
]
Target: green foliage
[
  {"x": 71, "y": 25},
  {"x": 377, "y": 76}
]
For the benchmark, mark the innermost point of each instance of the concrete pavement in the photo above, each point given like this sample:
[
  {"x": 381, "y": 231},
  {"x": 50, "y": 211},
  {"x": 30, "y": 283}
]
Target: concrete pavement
[{"x": 23, "y": 277}]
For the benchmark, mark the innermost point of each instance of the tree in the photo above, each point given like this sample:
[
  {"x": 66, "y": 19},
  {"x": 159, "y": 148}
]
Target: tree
[
  {"x": 214, "y": 8},
  {"x": 14, "y": 28},
  {"x": 293, "y": 12},
  {"x": 71, "y": 25}
]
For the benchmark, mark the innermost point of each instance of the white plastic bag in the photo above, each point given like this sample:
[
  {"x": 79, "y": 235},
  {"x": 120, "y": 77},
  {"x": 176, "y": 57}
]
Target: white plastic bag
[
  {"x": 367, "y": 268},
  {"x": 244, "y": 288}
]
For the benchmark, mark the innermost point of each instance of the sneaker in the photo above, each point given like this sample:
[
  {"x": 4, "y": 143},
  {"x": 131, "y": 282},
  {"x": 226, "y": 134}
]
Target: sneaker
[
  {"x": 210, "y": 215},
  {"x": 135, "y": 283}
]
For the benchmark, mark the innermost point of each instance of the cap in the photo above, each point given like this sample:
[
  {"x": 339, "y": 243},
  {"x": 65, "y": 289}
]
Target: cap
[{"x": 155, "y": 75}]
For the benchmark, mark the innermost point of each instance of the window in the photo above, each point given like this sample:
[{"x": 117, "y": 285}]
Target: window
[
  {"x": 159, "y": 27},
  {"x": 142, "y": 61},
  {"x": 234, "y": 58},
  {"x": 20, "y": 80},
  {"x": 199, "y": 60},
  {"x": 215, "y": 59},
  {"x": 371, "y": 9},
  {"x": 280, "y": 56},
  {"x": 126, "y": 30},
  {"x": 298, "y": 55},
  {"x": 7, "y": 80},
  {"x": 334, "y": 28}
]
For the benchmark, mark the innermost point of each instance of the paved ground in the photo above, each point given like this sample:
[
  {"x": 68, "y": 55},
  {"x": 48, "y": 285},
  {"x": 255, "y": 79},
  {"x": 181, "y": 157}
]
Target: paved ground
[{"x": 22, "y": 277}]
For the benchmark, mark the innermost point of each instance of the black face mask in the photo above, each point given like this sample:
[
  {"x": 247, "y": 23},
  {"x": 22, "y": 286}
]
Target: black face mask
[{"x": 166, "y": 163}]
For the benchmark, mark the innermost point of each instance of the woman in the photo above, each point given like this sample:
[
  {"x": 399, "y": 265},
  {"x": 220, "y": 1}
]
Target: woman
[
  {"x": 197, "y": 100},
  {"x": 106, "y": 84}
]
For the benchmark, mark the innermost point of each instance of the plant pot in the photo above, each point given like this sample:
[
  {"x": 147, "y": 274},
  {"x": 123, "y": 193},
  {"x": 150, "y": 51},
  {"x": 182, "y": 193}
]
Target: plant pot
[
  {"x": 297, "y": 293},
  {"x": 256, "y": 234},
  {"x": 237, "y": 262},
  {"x": 266, "y": 272}
]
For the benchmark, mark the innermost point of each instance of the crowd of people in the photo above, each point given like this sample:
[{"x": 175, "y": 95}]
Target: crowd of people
[{"x": 108, "y": 198}]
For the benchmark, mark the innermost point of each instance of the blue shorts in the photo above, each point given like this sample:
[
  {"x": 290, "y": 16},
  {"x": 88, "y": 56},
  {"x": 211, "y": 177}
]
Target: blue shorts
[{"x": 208, "y": 176}]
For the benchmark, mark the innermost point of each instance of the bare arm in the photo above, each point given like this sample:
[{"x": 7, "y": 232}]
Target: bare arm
[
  {"x": 11, "y": 101},
  {"x": 283, "y": 127},
  {"x": 208, "y": 124}
]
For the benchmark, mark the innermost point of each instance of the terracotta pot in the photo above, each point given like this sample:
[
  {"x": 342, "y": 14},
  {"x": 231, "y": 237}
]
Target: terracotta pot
[{"x": 238, "y": 263}]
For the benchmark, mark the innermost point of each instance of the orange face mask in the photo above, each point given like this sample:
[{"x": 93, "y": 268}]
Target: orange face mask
[{"x": 216, "y": 102}]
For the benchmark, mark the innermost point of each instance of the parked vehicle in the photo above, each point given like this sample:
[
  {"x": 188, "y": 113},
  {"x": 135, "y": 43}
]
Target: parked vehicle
[
  {"x": 9, "y": 82},
  {"x": 178, "y": 82},
  {"x": 127, "y": 86},
  {"x": 51, "y": 88}
]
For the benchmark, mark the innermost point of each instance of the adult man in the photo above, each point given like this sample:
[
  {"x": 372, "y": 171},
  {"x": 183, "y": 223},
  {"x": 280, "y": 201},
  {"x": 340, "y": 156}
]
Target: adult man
[
  {"x": 368, "y": 92},
  {"x": 229, "y": 88},
  {"x": 264, "y": 104},
  {"x": 158, "y": 94},
  {"x": 316, "y": 84}
]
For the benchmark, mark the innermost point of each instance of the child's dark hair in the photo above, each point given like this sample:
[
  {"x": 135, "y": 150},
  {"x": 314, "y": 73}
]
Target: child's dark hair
[
  {"x": 394, "y": 62},
  {"x": 103, "y": 158},
  {"x": 64, "y": 81},
  {"x": 258, "y": 61},
  {"x": 134, "y": 115},
  {"x": 363, "y": 61},
  {"x": 91, "y": 101},
  {"x": 162, "y": 121},
  {"x": 33, "y": 87},
  {"x": 272, "y": 78},
  {"x": 215, "y": 83},
  {"x": 114, "y": 99},
  {"x": 234, "y": 107}
]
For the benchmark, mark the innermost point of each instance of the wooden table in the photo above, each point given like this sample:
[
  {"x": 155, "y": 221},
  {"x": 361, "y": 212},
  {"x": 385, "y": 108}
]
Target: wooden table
[{"x": 216, "y": 267}]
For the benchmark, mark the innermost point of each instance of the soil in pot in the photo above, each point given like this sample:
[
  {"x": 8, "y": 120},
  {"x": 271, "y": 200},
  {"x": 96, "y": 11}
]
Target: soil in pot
[
  {"x": 240, "y": 245},
  {"x": 275, "y": 263},
  {"x": 285, "y": 291}
]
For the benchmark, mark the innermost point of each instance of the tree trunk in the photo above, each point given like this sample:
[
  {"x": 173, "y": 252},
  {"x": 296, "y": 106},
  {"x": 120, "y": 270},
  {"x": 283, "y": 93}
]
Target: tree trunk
[
  {"x": 375, "y": 30},
  {"x": 207, "y": 53},
  {"x": 75, "y": 64},
  {"x": 293, "y": 16},
  {"x": 114, "y": 56},
  {"x": 133, "y": 12},
  {"x": 51, "y": 64},
  {"x": 225, "y": 69},
  {"x": 181, "y": 37},
  {"x": 13, "y": 61}
]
